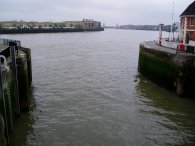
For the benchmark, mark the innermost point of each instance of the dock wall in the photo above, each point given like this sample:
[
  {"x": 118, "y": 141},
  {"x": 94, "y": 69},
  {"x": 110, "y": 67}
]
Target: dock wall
[
  {"x": 15, "y": 85},
  {"x": 174, "y": 71},
  {"x": 52, "y": 30}
]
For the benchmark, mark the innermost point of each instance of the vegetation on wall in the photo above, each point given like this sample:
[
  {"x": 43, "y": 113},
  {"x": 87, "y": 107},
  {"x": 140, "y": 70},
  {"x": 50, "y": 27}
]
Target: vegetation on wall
[{"x": 159, "y": 69}]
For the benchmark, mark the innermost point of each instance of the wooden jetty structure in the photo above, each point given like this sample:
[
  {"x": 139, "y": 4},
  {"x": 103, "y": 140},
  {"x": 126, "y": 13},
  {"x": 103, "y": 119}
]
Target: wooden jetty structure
[{"x": 15, "y": 84}]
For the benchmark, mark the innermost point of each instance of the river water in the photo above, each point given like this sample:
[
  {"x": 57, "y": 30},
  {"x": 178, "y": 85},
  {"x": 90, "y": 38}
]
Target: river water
[{"x": 87, "y": 92}]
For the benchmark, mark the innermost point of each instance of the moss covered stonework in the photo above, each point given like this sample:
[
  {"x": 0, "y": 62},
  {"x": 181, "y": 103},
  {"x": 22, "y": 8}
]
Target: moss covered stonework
[
  {"x": 159, "y": 69},
  {"x": 190, "y": 79},
  {"x": 3, "y": 141},
  {"x": 174, "y": 71}
]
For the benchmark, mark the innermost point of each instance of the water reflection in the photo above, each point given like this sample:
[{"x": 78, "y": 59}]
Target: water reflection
[
  {"x": 178, "y": 114},
  {"x": 87, "y": 94},
  {"x": 23, "y": 126}
]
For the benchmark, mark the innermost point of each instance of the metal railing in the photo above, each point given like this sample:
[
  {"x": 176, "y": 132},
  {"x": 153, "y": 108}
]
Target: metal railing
[
  {"x": 8, "y": 41},
  {"x": 176, "y": 45}
]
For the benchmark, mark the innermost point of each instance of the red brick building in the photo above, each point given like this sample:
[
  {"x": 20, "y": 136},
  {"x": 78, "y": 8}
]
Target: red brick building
[{"x": 187, "y": 24}]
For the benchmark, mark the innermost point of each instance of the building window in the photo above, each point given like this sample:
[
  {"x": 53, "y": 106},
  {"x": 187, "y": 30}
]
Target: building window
[
  {"x": 192, "y": 21},
  {"x": 190, "y": 36}
]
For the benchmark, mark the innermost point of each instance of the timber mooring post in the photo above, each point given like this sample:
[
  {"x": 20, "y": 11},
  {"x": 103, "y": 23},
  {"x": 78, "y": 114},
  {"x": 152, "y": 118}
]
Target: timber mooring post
[
  {"x": 16, "y": 94},
  {"x": 160, "y": 34}
]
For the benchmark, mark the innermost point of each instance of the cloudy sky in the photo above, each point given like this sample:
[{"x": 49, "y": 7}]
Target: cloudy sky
[{"x": 109, "y": 12}]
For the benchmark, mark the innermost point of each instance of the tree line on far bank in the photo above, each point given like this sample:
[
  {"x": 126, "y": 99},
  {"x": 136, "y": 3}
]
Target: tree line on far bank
[{"x": 37, "y": 25}]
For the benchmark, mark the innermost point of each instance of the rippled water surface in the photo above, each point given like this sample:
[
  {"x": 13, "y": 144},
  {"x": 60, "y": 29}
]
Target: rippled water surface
[{"x": 88, "y": 92}]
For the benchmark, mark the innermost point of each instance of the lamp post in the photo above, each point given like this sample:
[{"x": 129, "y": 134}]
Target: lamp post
[{"x": 174, "y": 30}]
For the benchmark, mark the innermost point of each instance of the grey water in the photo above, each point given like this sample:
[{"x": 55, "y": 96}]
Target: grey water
[{"x": 87, "y": 91}]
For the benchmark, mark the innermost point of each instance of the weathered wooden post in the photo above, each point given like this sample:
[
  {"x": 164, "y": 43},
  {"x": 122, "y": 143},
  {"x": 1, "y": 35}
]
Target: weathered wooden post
[
  {"x": 14, "y": 68},
  {"x": 4, "y": 122},
  {"x": 160, "y": 33},
  {"x": 29, "y": 64},
  {"x": 23, "y": 83},
  {"x": 15, "y": 80}
]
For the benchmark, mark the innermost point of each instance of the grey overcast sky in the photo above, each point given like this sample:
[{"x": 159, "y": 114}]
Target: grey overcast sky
[{"x": 109, "y": 12}]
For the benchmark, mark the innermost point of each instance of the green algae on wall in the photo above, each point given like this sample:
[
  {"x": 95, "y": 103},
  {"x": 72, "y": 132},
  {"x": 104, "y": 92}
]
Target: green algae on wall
[
  {"x": 174, "y": 71},
  {"x": 17, "y": 77},
  {"x": 159, "y": 69},
  {"x": 190, "y": 83},
  {"x": 3, "y": 141},
  {"x": 6, "y": 104},
  {"x": 9, "y": 113}
]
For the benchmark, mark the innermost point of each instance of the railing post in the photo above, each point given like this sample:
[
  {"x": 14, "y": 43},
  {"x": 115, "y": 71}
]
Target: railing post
[{"x": 16, "y": 94}]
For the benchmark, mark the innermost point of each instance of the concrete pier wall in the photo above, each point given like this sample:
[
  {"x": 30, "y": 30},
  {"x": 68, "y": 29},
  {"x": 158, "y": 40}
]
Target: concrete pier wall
[
  {"x": 172, "y": 70},
  {"x": 52, "y": 30},
  {"x": 15, "y": 83}
]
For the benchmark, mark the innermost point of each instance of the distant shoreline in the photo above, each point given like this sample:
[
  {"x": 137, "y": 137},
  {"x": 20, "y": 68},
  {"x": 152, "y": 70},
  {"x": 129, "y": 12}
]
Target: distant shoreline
[{"x": 51, "y": 30}]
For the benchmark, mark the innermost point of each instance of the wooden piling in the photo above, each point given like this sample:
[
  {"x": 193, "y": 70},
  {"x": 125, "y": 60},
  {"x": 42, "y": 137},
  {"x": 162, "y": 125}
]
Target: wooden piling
[
  {"x": 15, "y": 82},
  {"x": 14, "y": 69},
  {"x": 29, "y": 63},
  {"x": 23, "y": 80}
]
